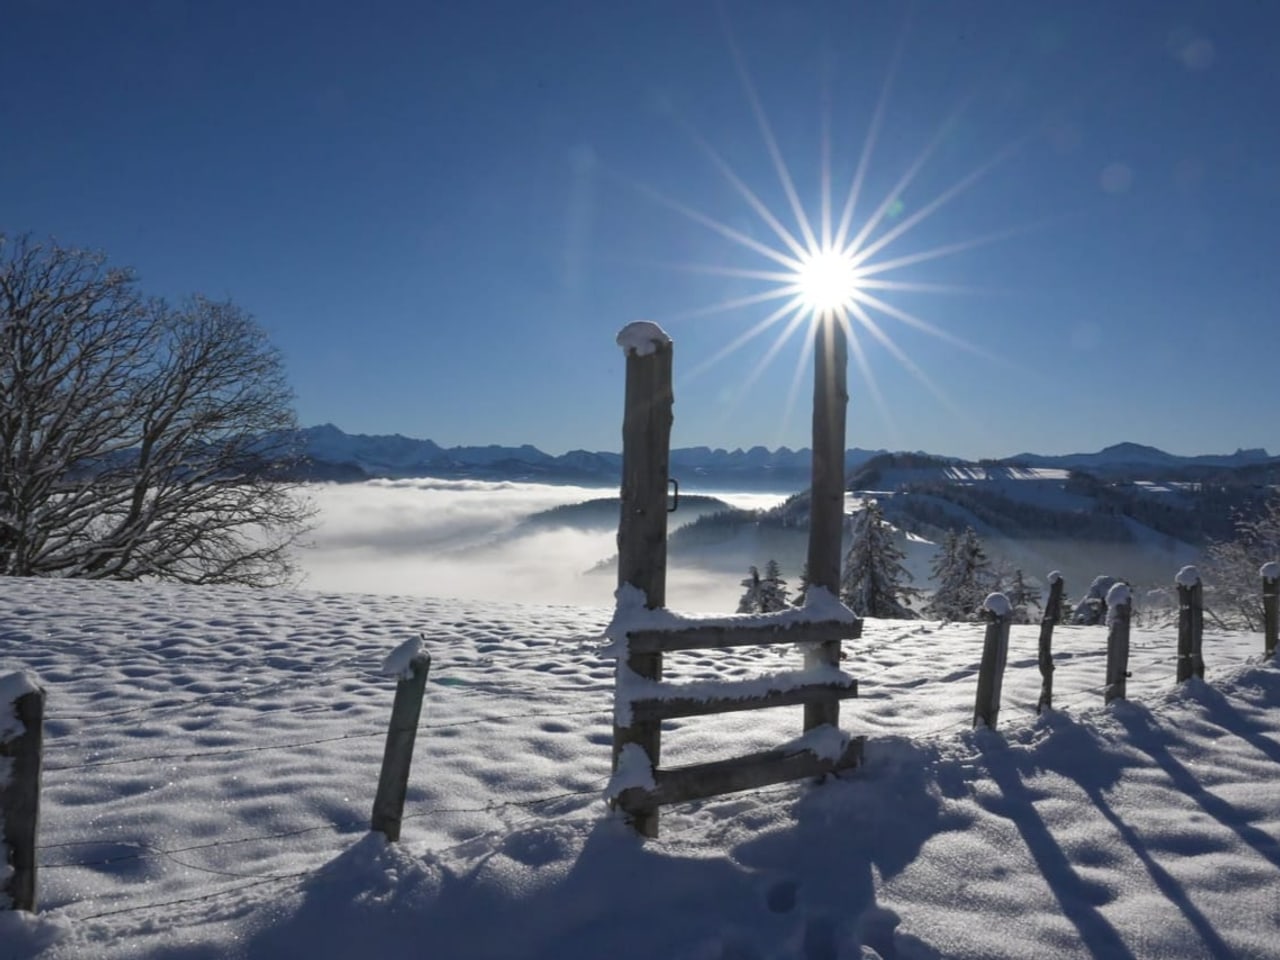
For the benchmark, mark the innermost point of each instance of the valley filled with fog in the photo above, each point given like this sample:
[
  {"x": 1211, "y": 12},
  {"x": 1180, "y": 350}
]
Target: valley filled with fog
[{"x": 475, "y": 539}]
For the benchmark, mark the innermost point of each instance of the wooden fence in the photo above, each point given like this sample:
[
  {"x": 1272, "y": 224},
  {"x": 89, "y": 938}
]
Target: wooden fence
[
  {"x": 641, "y": 707},
  {"x": 642, "y": 704},
  {"x": 642, "y": 566},
  {"x": 1119, "y": 605},
  {"x": 22, "y": 742}
]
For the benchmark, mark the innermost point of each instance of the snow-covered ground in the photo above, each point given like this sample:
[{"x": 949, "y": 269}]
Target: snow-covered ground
[{"x": 211, "y": 758}]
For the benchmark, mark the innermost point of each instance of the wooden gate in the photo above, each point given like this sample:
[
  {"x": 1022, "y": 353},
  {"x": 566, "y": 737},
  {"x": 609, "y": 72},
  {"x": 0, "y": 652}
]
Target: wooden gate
[{"x": 643, "y": 631}]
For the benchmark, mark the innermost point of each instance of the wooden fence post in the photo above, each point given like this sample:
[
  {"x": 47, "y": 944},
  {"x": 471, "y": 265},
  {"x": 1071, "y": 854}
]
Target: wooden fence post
[
  {"x": 642, "y": 525},
  {"x": 21, "y": 700},
  {"x": 1052, "y": 615},
  {"x": 393, "y": 780},
  {"x": 995, "y": 651},
  {"x": 826, "y": 494},
  {"x": 1270, "y": 607},
  {"x": 1119, "y": 611},
  {"x": 1190, "y": 624}
]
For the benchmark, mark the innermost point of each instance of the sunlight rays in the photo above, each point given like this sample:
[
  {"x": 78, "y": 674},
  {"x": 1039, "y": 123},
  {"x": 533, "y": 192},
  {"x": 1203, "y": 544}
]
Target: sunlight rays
[
  {"x": 771, "y": 142},
  {"x": 794, "y": 306},
  {"x": 869, "y": 144},
  {"x": 836, "y": 266},
  {"x": 723, "y": 229}
]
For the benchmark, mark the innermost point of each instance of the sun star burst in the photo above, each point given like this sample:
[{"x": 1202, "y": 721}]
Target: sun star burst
[{"x": 829, "y": 268}]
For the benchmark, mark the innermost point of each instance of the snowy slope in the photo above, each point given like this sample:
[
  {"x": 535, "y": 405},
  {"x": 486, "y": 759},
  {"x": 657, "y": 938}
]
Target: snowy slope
[{"x": 211, "y": 758}]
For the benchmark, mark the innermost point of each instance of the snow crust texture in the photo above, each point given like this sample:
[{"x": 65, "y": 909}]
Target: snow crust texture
[{"x": 208, "y": 784}]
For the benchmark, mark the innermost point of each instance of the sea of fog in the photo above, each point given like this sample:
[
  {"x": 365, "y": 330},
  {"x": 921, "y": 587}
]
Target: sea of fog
[{"x": 462, "y": 538}]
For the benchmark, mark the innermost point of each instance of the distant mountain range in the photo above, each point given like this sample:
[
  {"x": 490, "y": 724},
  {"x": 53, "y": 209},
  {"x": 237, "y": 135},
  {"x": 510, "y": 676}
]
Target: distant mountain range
[
  {"x": 1126, "y": 457},
  {"x": 331, "y": 454},
  {"x": 1127, "y": 510}
]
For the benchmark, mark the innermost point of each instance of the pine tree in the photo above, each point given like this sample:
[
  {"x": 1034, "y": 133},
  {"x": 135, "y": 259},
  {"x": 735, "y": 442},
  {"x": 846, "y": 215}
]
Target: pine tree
[
  {"x": 773, "y": 589},
  {"x": 750, "y": 602},
  {"x": 803, "y": 589},
  {"x": 963, "y": 575},
  {"x": 874, "y": 580},
  {"x": 941, "y": 604},
  {"x": 1022, "y": 598}
]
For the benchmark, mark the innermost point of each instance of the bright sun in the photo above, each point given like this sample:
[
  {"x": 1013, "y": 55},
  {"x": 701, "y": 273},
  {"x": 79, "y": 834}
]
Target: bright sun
[
  {"x": 833, "y": 268},
  {"x": 827, "y": 282}
]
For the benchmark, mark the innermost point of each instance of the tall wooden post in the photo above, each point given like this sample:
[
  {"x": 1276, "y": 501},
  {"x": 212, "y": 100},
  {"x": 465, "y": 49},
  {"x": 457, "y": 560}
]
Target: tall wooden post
[
  {"x": 1119, "y": 609},
  {"x": 826, "y": 507},
  {"x": 642, "y": 526},
  {"x": 995, "y": 654},
  {"x": 23, "y": 701},
  {"x": 393, "y": 779},
  {"x": 1052, "y": 615},
  {"x": 1270, "y": 607},
  {"x": 1190, "y": 624}
]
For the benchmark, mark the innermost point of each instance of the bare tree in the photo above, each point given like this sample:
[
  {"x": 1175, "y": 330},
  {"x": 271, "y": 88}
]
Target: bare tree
[
  {"x": 1232, "y": 568},
  {"x": 138, "y": 440}
]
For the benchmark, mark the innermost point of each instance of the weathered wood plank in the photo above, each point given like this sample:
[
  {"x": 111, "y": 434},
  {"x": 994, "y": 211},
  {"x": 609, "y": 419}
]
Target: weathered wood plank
[
  {"x": 669, "y": 708},
  {"x": 397, "y": 756},
  {"x": 1270, "y": 614},
  {"x": 642, "y": 524},
  {"x": 1052, "y": 614},
  {"x": 995, "y": 654},
  {"x": 1190, "y": 626},
  {"x": 719, "y": 637},
  {"x": 20, "y": 799},
  {"x": 1197, "y": 630},
  {"x": 697, "y": 781},
  {"x": 826, "y": 503},
  {"x": 1118, "y": 653}
]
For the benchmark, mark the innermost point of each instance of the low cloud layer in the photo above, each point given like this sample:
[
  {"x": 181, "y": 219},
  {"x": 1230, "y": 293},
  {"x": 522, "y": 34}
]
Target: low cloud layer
[{"x": 447, "y": 538}]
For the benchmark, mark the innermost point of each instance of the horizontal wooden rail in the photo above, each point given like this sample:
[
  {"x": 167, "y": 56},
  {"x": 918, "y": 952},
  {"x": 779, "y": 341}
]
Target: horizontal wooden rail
[
  {"x": 717, "y": 637},
  {"x": 694, "y": 782},
  {"x": 668, "y": 708}
]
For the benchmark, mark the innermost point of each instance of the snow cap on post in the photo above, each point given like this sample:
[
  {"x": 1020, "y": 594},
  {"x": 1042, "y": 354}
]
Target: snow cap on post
[
  {"x": 12, "y": 687},
  {"x": 1054, "y": 576},
  {"x": 1117, "y": 595},
  {"x": 997, "y": 604},
  {"x": 1187, "y": 577},
  {"x": 1270, "y": 570},
  {"x": 642, "y": 338},
  {"x": 399, "y": 662}
]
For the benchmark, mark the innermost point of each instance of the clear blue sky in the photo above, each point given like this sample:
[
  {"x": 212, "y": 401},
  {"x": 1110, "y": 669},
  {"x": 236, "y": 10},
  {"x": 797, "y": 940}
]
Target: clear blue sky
[{"x": 443, "y": 212}]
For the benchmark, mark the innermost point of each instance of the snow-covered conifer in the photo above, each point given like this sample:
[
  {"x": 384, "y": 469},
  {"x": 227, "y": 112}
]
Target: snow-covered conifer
[
  {"x": 1023, "y": 599},
  {"x": 1092, "y": 608},
  {"x": 874, "y": 581},
  {"x": 963, "y": 576},
  {"x": 802, "y": 588},
  {"x": 750, "y": 602},
  {"x": 773, "y": 589}
]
